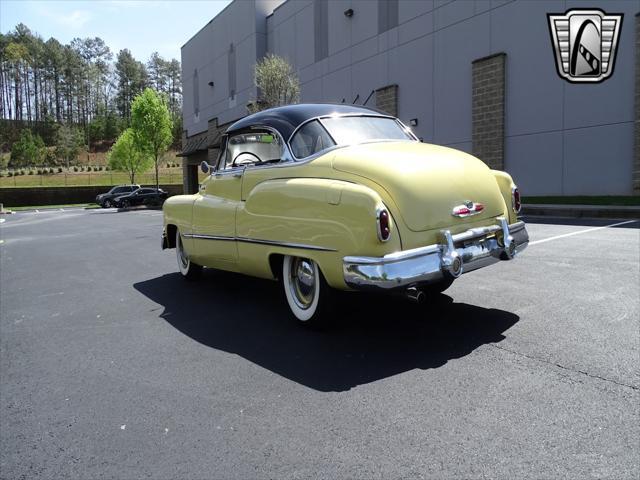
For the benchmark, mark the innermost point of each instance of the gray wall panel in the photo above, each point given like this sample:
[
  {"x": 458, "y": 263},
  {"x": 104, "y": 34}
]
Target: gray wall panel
[
  {"x": 453, "y": 12},
  {"x": 339, "y": 26},
  {"x": 409, "y": 9},
  {"x": 364, "y": 23},
  {"x": 469, "y": 40},
  {"x": 304, "y": 37},
  {"x": 534, "y": 91},
  {"x": 411, "y": 67},
  {"x": 368, "y": 75},
  {"x": 286, "y": 46},
  {"x": 364, "y": 49},
  {"x": 535, "y": 162},
  {"x": 416, "y": 27},
  {"x": 340, "y": 60},
  {"x": 481, "y": 6},
  {"x": 337, "y": 85},
  {"x": 312, "y": 91},
  {"x": 598, "y": 160}
]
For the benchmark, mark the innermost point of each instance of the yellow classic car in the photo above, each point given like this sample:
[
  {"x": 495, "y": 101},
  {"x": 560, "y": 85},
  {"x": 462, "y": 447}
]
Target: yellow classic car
[{"x": 326, "y": 197}]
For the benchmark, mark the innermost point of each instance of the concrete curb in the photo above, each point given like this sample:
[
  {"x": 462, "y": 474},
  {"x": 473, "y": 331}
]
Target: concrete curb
[{"x": 582, "y": 211}]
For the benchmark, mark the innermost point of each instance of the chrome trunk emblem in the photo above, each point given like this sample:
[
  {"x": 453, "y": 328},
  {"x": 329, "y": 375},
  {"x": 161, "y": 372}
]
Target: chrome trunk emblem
[{"x": 467, "y": 209}]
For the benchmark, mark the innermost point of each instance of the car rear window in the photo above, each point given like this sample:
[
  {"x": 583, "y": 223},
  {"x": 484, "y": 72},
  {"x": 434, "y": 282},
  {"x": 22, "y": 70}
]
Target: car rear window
[
  {"x": 353, "y": 130},
  {"x": 310, "y": 139}
]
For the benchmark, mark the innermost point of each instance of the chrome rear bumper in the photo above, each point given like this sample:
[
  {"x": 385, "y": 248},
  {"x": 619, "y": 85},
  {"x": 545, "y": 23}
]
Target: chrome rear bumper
[{"x": 456, "y": 254}]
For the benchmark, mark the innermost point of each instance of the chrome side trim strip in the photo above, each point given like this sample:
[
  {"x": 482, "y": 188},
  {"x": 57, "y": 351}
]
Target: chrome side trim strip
[{"x": 258, "y": 241}]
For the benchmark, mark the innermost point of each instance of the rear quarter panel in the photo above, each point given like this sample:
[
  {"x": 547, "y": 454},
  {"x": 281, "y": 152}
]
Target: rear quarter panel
[{"x": 328, "y": 213}]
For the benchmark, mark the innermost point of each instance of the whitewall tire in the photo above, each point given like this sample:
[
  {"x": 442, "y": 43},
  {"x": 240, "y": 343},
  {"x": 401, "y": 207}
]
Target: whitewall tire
[
  {"x": 307, "y": 292},
  {"x": 187, "y": 268}
]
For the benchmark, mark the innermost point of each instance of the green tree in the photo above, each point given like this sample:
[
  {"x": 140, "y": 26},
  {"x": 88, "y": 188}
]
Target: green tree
[
  {"x": 151, "y": 125},
  {"x": 126, "y": 156},
  {"x": 68, "y": 141},
  {"x": 28, "y": 151},
  {"x": 131, "y": 79},
  {"x": 278, "y": 84}
]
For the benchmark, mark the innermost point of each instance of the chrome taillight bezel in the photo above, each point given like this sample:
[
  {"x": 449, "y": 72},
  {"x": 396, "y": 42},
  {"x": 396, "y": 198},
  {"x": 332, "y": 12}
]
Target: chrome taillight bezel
[
  {"x": 516, "y": 204},
  {"x": 380, "y": 213}
]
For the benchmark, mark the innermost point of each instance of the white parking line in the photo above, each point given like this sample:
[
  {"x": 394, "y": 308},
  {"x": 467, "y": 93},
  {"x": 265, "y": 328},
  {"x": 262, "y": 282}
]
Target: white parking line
[{"x": 581, "y": 231}]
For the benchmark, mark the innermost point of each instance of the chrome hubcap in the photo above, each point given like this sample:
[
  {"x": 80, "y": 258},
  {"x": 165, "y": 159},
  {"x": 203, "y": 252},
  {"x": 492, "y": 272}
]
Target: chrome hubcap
[{"x": 302, "y": 282}]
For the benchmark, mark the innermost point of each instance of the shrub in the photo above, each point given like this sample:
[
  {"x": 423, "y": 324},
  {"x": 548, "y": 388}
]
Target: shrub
[
  {"x": 21, "y": 172},
  {"x": 59, "y": 169},
  {"x": 9, "y": 174},
  {"x": 106, "y": 169},
  {"x": 75, "y": 169},
  {"x": 51, "y": 170},
  {"x": 39, "y": 172},
  {"x": 100, "y": 168},
  {"x": 30, "y": 172}
]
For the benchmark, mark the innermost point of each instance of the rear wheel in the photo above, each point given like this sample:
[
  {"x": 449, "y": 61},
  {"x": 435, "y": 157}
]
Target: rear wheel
[
  {"x": 188, "y": 269},
  {"x": 306, "y": 290}
]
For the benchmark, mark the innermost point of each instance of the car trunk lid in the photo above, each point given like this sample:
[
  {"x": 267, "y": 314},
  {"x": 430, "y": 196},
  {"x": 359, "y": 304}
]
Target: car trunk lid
[{"x": 425, "y": 181}]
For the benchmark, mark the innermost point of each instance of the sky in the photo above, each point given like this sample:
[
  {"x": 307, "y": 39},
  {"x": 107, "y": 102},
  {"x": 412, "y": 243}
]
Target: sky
[{"x": 142, "y": 26}]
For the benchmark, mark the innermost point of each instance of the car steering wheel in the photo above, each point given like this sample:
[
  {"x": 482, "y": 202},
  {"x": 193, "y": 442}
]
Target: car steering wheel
[{"x": 233, "y": 163}]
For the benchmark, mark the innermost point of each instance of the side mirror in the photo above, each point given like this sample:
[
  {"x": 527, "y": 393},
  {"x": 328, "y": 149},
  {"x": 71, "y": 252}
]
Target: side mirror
[{"x": 206, "y": 168}]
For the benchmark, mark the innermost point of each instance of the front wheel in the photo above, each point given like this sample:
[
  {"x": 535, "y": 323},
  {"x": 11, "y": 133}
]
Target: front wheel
[
  {"x": 107, "y": 204},
  {"x": 306, "y": 290},
  {"x": 188, "y": 269}
]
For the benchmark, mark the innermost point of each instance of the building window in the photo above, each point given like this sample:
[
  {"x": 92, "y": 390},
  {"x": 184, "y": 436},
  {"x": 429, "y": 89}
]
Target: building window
[
  {"x": 231, "y": 66},
  {"x": 196, "y": 93},
  {"x": 321, "y": 29},
  {"x": 387, "y": 15}
]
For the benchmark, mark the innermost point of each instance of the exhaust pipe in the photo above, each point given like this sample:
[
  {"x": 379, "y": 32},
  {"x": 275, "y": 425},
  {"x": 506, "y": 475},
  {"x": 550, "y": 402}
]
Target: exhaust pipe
[{"x": 415, "y": 295}]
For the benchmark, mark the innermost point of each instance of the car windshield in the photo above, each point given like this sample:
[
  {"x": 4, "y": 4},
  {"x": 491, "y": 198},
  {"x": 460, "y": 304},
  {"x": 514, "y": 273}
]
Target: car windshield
[{"x": 351, "y": 130}]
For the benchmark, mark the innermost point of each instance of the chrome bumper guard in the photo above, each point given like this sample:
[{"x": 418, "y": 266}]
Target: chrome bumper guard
[{"x": 455, "y": 255}]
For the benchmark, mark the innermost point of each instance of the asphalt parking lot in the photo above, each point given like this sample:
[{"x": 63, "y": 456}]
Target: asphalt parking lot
[{"x": 112, "y": 366}]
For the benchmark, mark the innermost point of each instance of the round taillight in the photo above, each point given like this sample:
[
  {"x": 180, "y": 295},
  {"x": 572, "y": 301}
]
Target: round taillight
[
  {"x": 516, "y": 200},
  {"x": 384, "y": 227}
]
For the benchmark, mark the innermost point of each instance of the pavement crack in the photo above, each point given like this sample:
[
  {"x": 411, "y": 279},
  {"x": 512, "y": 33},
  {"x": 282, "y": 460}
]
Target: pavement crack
[{"x": 563, "y": 367}]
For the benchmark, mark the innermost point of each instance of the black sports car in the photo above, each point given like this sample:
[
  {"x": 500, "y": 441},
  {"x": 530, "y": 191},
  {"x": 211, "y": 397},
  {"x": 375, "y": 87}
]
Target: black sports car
[
  {"x": 142, "y": 196},
  {"x": 106, "y": 200}
]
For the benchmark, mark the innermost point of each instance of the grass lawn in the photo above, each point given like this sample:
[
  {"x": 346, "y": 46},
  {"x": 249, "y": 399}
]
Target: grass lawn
[
  {"x": 632, "y": 200},
  {"x": 167, "y": 176}
]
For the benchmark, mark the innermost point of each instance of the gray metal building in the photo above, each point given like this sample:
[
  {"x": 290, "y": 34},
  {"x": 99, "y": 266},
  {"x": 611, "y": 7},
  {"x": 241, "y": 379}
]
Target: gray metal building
[{"x": 477, "y": 75}]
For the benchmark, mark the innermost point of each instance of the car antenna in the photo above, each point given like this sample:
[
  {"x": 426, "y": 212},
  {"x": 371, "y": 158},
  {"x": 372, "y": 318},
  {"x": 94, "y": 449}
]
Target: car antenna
[{"x": 365, "y": 102}]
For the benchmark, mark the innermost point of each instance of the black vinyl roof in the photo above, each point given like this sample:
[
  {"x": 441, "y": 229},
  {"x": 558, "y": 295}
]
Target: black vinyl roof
[{"x": 286, "y": 119}]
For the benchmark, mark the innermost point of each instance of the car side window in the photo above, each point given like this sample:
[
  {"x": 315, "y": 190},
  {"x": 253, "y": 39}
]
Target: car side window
[
  {"x": 310, "y": 139},
  {"x": 251, "y": 149}
]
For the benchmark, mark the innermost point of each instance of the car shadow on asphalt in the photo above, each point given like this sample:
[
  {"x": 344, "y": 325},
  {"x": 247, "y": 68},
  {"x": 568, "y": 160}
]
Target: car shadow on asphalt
[{"x": 370, "y": 338}]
